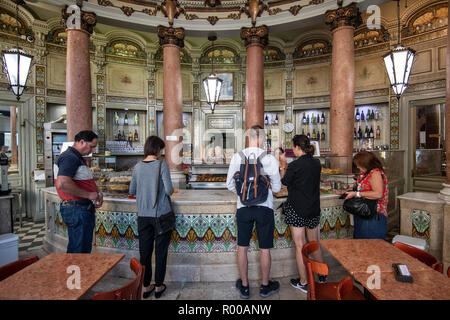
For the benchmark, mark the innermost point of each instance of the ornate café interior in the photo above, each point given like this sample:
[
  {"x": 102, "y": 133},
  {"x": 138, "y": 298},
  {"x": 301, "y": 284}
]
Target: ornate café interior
[{"x": 94, "y": 93}]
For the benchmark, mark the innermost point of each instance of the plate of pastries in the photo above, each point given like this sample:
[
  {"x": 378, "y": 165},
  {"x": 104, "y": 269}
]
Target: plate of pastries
[
  {"x": 331, "y": 171},
  {"x": 210, "y": 178}
]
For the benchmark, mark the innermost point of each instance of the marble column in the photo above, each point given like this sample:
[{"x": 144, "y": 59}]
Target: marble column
[
  {"x": 172, "y": 40},
  {"x": 78, "y": 73},
  {"x": 256, "y": 38},
  {"x": 343, "y": 21},
  {"x": 13, "y": 123}
]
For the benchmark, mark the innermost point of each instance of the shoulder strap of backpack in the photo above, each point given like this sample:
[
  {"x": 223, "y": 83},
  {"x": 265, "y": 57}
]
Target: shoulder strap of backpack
[{"x": 245, "y": 177}]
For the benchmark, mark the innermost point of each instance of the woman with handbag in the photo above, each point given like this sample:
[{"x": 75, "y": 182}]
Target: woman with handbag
[
  {"x": 302, "y": 208},
  {"x": 152, "y": 187},
  {"x": 371, "y": 184}
]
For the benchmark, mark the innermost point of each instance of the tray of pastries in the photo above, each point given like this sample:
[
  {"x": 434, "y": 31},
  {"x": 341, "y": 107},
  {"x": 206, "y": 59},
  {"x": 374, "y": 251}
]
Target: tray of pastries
[
  {"x": 117, "y": 188},
  {"x": 331, "y": 171},
  {"x": 210, "y": 178}
]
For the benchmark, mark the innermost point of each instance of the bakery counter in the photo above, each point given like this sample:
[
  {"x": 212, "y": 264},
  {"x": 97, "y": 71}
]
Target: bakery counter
[{"x": 204, "y": 243}]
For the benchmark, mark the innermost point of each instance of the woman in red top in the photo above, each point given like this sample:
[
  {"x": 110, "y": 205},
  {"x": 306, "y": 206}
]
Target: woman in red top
[{"x": 371, "y": 184}]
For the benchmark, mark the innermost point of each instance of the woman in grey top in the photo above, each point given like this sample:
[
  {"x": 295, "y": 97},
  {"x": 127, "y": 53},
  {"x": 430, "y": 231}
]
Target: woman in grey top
[{"x": 150, "y": 205}]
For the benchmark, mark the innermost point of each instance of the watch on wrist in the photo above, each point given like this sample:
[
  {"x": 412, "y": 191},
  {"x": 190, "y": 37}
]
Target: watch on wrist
[{"x": 358, "y": 194}]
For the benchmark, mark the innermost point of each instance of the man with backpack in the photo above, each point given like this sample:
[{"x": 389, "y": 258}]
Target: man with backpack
[{"x": 253, "y": 175}]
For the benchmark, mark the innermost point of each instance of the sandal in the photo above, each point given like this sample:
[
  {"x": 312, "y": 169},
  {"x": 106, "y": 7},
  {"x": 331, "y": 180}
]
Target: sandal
[
  {"x": 147, "y": 294},
  {"x": 158, "y": 294}
]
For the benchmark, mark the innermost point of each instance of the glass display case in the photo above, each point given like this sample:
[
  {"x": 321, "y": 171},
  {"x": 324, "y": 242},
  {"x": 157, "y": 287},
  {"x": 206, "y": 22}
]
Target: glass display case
[{"x": 336, "y": 173}]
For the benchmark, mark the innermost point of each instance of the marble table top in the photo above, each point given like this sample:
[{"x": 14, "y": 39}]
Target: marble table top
[
  {"x": 356, "y": 255},
  {"x": 54, "y": 277},
  {"x": 428, "y": 197},
  {"x": 426, "y": 285}
]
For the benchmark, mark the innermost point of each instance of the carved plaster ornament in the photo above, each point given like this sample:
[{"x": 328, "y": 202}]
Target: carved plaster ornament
[
  {"x": 171, "y": 9},
  {"x": 254, "y": 9},
  {"x": 213, "y": 3}
]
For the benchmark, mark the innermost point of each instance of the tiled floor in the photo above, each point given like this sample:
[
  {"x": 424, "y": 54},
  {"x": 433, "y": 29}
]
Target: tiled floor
[
  {"x": 30, "y": 243},
  {"x": 30, "y": 234}
]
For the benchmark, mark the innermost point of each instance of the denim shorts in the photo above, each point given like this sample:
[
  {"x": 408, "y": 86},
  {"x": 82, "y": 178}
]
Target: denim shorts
[{"x": 246, "y": 218}]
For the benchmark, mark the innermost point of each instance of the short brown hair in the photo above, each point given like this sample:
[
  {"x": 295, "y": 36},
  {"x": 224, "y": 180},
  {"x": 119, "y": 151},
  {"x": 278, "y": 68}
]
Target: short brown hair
[
  {"x": 255, "y": 132},
  {"x": 367, "y": 160},
  {"x": 153, "y": 145}
]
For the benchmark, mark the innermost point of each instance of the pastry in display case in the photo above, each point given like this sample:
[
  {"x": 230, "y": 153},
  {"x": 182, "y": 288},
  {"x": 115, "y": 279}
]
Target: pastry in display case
[
  {"x": 336, "y": 173},
  {"x": 113, "y": 183}
]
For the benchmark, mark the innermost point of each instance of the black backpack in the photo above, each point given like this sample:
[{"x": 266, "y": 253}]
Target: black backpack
[{"x": 252, "y": 186}]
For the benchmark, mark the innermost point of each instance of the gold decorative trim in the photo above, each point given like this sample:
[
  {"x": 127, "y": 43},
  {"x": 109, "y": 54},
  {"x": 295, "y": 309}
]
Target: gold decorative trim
[
  {"x": 343, "y": 16},
  {"x": 255, "y": 35},
  {"x": 170, "y": 35},
  {"x": 88, "y": 19}
]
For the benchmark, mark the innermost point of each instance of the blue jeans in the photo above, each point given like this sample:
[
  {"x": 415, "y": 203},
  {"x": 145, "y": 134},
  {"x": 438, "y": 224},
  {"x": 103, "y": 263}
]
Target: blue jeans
[
  {"x": 80, "y": 226},
  {"x": 370, "y": 229}
]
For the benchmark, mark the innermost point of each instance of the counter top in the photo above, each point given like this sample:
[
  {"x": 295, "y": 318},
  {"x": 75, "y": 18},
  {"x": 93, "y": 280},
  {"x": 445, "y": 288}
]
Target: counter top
[
  {"x": 427, "y": 197},
  {"x": 193, "y": 197}
]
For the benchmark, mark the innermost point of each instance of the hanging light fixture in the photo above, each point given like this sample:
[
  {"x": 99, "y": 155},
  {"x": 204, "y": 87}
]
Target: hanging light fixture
[
  {"x": 212, "y": 84},
  {"x": 16, "y": 63},
  {"x": 399, "y": 63}
]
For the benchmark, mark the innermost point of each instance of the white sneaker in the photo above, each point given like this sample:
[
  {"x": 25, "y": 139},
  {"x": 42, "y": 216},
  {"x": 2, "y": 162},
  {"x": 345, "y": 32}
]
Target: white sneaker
[{"x": 297, "y": 285}]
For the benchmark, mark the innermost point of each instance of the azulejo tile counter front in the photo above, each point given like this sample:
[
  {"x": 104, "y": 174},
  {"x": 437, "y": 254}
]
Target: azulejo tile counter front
[{"x": 204, "y": 243}]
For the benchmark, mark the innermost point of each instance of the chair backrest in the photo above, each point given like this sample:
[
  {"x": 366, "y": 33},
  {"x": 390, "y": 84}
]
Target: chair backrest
[
  {"x": 345, "y": 286},
  {"x": 130, "y": 291},
  {"x": 13, "y": 267},
  {"x": 448, "y": 272},
  {"x": 312, "y": 267},
  {"x": 421, "y": 255}
]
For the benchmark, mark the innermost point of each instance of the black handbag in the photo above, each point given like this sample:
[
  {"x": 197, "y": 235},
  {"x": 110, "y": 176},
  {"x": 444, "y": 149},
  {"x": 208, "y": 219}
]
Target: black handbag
[
  {"x": 166, "y": 222},
  {"x": 361, "y": 207}
]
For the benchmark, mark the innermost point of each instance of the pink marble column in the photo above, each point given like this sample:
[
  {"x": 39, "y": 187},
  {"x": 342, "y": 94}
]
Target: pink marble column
[
  {"x": 256, "y": 38},
  {"x": 78, "y": 75},
  {"x": 342, "y": 95},
  {"x": 171, "y": 40}
]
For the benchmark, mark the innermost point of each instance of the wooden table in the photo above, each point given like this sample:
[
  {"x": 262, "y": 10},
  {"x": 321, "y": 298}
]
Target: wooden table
[
  {"x": 49, "y": 279},
  {"x": 357, "y": 255}
]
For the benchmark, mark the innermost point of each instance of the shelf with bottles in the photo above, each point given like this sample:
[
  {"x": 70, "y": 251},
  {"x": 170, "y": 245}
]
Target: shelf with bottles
[
  {"x": 371, "y": 126},
  {"x": 273, "y": 128},
  {"x": 314, "y": 124},
  {"x": 125, "y": 131}
]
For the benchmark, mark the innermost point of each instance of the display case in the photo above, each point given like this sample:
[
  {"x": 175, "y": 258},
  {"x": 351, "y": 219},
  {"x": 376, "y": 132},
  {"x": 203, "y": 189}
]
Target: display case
[
  {"x": 126, "y": 131},
  {"x": 206, "y": 176},
  {"x": 273, "y": 128},
  {"x": 336, "y": 174},
  {"x": 55, "y": 134},
  {"x": 113, "y": 183}
]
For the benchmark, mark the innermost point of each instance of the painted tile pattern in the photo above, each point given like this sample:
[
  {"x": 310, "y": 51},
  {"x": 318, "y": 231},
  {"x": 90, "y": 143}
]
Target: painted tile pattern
[
  {"x": 202, "y": 233},
  {"x": 421, "y": 222},
  {"x": 394, "y": 113}
]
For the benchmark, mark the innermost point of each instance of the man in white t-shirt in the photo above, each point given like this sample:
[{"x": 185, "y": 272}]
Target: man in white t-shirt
[{"x": 262, "y": 214}]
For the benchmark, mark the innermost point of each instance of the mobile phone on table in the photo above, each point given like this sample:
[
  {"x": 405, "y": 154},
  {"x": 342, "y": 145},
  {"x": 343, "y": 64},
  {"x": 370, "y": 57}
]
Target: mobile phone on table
[{"x": 402, "y": 273}]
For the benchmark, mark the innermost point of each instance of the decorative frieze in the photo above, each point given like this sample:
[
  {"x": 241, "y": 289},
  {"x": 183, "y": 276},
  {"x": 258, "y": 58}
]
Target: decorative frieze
[{"x": 394, "y": 123}]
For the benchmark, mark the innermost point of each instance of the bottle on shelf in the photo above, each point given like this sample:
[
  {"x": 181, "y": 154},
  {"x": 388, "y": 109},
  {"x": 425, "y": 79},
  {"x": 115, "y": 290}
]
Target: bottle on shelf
[
  {"x": 355, "y": 134},
  {"x": 304, "y": 118},
  {"x": 371, "y": 135},
  {"x": 378, "y": 133},
  {"x": 125, "y": 121},
  {"x": 116, "y": 118},
  {"x": 276, "y": 119},
  {"x": 377, "y": 115},
  {"x": 124, "y": 137},
  {"x": 136, "y": 135},
  {"x": 363, "y": 118},
  {"x": 318, "y": 118},
  {"x": 307, "y": 119},
  {"x": 314, "y": 134},
  {"x": 266, "y": 120},
  {"x": 119, "y": 136},
  {"x": 323, "y": 135},
  {"x": 313, "y": 119},
  {"x": 366, "y": 132},
  {"x": 322, "y": 119},
  {"x": 136, "y": 119},
  {"x": 357, "y": 115},
  {"x": 372, "y": 115},
  {"x": 130, "y": 136},
  {"x": 308, "y": 135},
  {"x": 303, "y": 131},
  {"x": 359, "y": 133}
]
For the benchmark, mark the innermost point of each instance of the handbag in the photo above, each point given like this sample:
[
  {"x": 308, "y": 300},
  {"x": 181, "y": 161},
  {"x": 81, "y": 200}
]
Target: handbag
[
  {"x": 166, "y": 222},
  {"x": 361, "y": 207}
]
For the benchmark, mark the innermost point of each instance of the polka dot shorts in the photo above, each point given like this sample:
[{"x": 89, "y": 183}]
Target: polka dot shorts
[{"x": 293, "y": 219}]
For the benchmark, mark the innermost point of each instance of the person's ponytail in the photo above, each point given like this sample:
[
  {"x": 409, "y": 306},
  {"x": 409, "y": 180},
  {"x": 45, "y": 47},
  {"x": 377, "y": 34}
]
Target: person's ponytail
[{"x": 303, "y": 142}]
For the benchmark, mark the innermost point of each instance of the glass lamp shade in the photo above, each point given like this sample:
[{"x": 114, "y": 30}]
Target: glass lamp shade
[
  {"x": 17, "y": 65},
  {"x": 399, "y": 63},
  {"x": 212, "y": 85}
]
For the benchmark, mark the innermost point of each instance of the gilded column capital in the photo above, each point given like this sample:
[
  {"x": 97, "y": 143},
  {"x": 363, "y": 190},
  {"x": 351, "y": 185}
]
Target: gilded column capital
[
  {"x": 343, "y": 16},
  {"x": 78, "y": 19},
  {"x": 255, "y": 35},
  {"x": 170, "y": 35}
]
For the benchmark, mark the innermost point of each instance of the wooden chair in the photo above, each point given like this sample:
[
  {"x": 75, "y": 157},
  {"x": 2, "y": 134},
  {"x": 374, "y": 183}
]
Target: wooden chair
[
  {"x": 421, "y": 255},
  {"x": 130, "y": 291},
  {"x": 13, "y": 267},
  {"x": 448, "y": 272},
  {"x": 343, "y": 290}
]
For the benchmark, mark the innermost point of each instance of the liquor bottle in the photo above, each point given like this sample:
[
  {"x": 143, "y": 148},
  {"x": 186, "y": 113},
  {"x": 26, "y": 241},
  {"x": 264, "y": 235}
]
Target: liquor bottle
[
  {"x": 318, "y": 118},
  {"x": 322, "y": 119},
  {"x": 377, "y": 115},
  {"x": 136, "y": 119},
  {"x": 355, "y": 135},
  {"x": 124, "y": 137},
  {"x": 130, "y": 136},
  {"x": 126, "y": 119},
  {"x": 266, "y": 120},
  {"x": 371, "y": 132},
  {"x": 359, "y": 133},
  {"x": 269, "y": 141},
  {"x": 314, "y": 134},
  {"x": 119, "y": 136},
  {"x": 357, "y": 116},
  {"x": 378, "y": 133},
  {"x": 304, "y": 118},
  {"x": 323, "y": 135},
  {"x": 362, "y": 116},
  {"x": 372, "y": 116},
  {"x": 276, "y": 119},
  {"x": 136, "y": 136},
  {"x": 303, "y": 131},
  {"x": 307, "y": 119},
  {"x": 313, "y": 119},
  {"x": 308, "y": 135},
  {"x": 116, "y": 118},
  {"x": 366, "y": 132}
]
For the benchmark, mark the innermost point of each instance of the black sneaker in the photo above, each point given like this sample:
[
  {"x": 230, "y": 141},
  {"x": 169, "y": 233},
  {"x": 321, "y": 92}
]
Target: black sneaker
[
  {"x": 322, "y": 278},
  {"x": 244, "y": 291},
  {"x": 297, "y": 285},
  {"x": 271, "y": 288}
]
